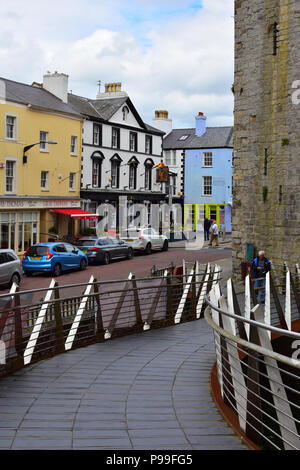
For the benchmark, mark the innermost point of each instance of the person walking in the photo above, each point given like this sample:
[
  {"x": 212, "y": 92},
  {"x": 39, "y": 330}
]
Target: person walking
[
  {"x": 214, "y": 233},
  {"x": 207, "y": 225},
  {"x": 260, "y": 266}
]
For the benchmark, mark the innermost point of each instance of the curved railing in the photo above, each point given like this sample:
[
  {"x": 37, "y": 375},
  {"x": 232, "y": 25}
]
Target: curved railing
[
  {"x": 257, "y": 376},
  {"x": 41, "y": 323}
]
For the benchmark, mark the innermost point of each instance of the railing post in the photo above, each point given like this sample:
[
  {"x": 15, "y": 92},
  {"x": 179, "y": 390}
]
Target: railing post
[
  {"x": 254, "y": 414},
  {"x": 237, "y": 310},
  {"x": 18, "y": 322},
  {"x": 59, "y": 334},
  {"x": 99, "y": 320},
  {"x": 193, "y": 294},
  {"x": 138, "y": 313},
  {"x": 278, "y": 305},
  {"x": 296, "y": 293},
  {"x": 170, "y": 310}
]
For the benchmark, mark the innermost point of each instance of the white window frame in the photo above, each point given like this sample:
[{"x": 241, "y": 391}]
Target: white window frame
[
  {"x": 174, "y": 161},
  {"x": 46, "y": 180},
  {"x": 132, "y": 177},
  {"x": 44, "y": 142},
  {"x": 207, "y": 155},
  {"x": 72, "y": 181},
  {"x": 97, "y": 134},
  {"x": 148, "y": 144},
  {"x": 15, "y": 126},
  {"x": 206, "y": 185},
  {"x": 74, "y": 144},
  {"x": 168, "y": 157},
  {"x": 132, "y": 141},
  {"x": 115, "y": 133},
  {"x": 14, "y": 176}
]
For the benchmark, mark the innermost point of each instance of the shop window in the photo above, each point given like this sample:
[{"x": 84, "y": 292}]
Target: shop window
[
  {"x": 27, "y": 230},
  {"x": 213, "y": 212}
]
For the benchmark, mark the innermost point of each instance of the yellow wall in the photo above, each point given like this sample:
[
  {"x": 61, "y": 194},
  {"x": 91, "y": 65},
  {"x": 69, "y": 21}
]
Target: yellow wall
[{"x": 58, "y": 161}]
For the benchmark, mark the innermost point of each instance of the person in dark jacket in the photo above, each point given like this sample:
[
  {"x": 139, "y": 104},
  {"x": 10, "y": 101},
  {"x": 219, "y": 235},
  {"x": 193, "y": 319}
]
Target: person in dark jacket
[
  {"x": 260, "y": 266},
  {"x": 207, "y": 225}
]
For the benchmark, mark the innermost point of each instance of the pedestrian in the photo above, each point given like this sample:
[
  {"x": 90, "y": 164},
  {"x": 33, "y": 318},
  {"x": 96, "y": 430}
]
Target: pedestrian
[
  {"x": 214, "y": 233},
  {"x": 207, "y": 225},
  {"x": 260, "y": 266}
]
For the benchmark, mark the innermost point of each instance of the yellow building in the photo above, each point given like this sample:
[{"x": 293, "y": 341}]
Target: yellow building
[{"x": 40, "y": 161}]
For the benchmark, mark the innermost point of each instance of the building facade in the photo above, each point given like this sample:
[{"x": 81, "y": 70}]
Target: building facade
[
  {"x": 119, "y": 153},
  {"x": 40, "y": 161},
  {"x": 266, "y": 190},
  {"x": 201, "y": 157}
]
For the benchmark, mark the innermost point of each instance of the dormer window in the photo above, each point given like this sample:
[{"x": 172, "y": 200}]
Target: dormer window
[{"x": 125, "y": 112}]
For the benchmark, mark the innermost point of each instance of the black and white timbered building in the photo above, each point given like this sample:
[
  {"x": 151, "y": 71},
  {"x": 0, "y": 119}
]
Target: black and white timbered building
[{"x": 119, "y": 153}]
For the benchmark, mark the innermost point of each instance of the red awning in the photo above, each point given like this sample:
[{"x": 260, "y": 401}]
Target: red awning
[{"x": 77, "y": 213}]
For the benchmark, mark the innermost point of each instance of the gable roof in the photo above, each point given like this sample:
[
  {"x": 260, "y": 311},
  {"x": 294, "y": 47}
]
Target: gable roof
[
  {"x": 104, "y": 109},
  {"x": 214, "y": 137},
  {"x": 35, "y": 96}
]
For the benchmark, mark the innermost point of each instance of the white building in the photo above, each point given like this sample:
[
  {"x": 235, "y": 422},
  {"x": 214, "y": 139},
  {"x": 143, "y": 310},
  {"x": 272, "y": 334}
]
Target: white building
[{"x": 119, "y": 152}]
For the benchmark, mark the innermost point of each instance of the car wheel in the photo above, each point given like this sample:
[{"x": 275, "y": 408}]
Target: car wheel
[
  {"x": 82, "y": 264},
  {"x": 130, "y": 253},
  {"x": 15, "y": 279},
  {"x": 106, "y": 259},
  {"x": 165, "y": 246},
  {"x": 57, "y": 270},
  {"x": 148, "y": 249}
]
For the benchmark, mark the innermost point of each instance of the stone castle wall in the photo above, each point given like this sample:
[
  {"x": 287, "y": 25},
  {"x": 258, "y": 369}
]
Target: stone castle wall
[{"x": 266, "y": 179}]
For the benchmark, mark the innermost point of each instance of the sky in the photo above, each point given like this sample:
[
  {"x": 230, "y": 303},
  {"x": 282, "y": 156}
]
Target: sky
[{"x": 176, "y": 55}]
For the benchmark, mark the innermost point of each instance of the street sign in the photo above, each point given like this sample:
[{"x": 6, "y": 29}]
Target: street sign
[{"x": 162, "y": 175}]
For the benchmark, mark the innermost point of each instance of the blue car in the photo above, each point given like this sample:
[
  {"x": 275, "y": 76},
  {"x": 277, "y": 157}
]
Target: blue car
[{"x": 54, "y": 258}]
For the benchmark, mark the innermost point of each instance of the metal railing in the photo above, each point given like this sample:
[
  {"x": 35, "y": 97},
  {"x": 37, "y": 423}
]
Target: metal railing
[
  {"x": 43, "y": 322},
  {"x": 258, "y": 362}
]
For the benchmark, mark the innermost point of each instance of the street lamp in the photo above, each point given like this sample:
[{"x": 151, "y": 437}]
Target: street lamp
[{"x": 28, "y": 147}]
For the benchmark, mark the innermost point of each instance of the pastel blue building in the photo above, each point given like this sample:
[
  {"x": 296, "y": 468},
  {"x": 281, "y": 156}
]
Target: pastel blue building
[{"x": 207, "y": 172}]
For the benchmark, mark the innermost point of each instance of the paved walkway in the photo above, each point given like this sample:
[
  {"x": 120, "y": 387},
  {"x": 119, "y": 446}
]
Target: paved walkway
[{"x": 146, "y": 391}]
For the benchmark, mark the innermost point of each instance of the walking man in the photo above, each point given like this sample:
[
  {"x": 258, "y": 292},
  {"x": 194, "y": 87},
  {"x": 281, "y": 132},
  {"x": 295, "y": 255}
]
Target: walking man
[
  {"x": 260, "y": 266},
  {"x": 207, "y": 225},
  {"x": 214, "y": 233}
]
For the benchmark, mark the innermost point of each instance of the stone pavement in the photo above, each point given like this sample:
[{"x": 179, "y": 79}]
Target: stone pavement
[{"x": 146, "y": 391}]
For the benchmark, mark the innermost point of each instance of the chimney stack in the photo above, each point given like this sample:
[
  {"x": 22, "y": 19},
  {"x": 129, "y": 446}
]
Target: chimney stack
[
  {"x": 162, "y": 122},
  {"x": 57, "y": 84},
  {"x": 112, "y": 90},
  {"x": 200, "y": 125}
]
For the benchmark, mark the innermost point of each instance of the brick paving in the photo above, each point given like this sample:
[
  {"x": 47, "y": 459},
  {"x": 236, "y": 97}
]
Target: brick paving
[{"x": 146, "y": 391}]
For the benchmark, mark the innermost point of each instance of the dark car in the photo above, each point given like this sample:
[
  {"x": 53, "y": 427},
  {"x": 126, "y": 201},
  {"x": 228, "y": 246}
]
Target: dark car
[{"x": 104, "y": 249}]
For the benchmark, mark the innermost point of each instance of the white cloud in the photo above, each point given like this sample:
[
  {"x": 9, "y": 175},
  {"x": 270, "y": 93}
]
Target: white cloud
[{"x": 184, "y": 65}]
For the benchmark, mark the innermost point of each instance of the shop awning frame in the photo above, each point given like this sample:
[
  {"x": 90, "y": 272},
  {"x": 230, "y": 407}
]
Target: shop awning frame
[{"x": 77, "y": 214}]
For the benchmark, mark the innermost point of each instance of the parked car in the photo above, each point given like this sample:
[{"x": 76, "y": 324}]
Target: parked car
[
  {"x": 104, "y": 249},
  {"x": 54, "y": 258},
  {"x": 145, "y": 239},
  {"x": 10, "y": 268}
]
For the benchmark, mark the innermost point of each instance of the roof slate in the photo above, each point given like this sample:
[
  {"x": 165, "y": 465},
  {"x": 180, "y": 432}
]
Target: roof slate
[
  {"x": 104, "y": 109},
  {"x": 39, "y": 97},
  {"x": 214, "y": 137}
]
